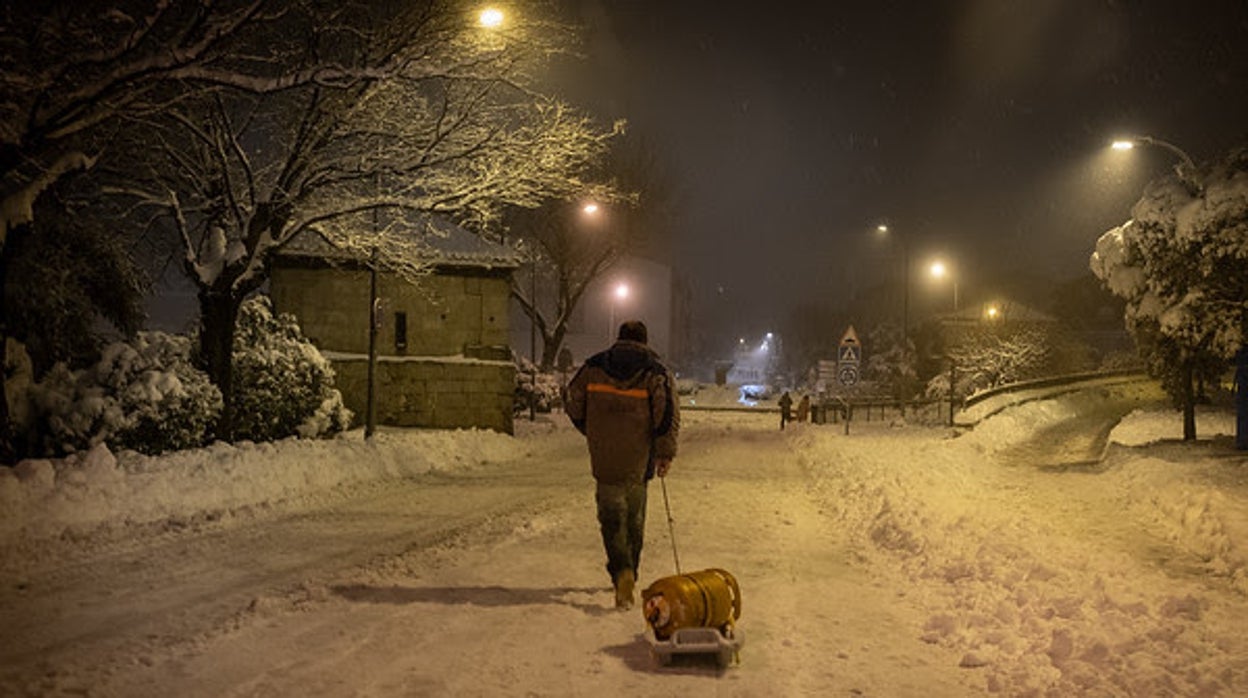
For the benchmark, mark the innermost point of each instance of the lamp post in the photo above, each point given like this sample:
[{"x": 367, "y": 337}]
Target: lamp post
[
  {"x": 940, "y": 271},
  {"x": 619, "y": 293},
  {"x": 533, "y": 333},
  {"x": 883, "y": 230}
]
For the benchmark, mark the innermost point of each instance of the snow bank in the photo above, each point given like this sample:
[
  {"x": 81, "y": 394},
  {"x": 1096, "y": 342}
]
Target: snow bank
[
  {"x": 1033, "y": 597},
  {"x": 44, "y": 498}
]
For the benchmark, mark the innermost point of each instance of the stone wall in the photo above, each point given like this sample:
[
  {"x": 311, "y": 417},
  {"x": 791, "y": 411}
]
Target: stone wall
[
  {"x": 450, "y": 368},
  {"x": 443, "y": 394},
  {"x": 445, "y": 313}
]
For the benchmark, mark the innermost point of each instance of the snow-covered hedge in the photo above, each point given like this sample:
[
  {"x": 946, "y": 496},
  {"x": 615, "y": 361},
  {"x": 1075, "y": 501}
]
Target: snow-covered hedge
[
  {"x": 145, "y": 395},
  {"x": 283, "y": 386}
]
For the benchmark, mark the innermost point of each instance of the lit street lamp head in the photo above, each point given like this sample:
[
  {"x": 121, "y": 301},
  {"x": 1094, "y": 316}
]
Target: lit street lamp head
[
  {"x": 1185, "y": 160},
  {"x": 490, "y": 17}
]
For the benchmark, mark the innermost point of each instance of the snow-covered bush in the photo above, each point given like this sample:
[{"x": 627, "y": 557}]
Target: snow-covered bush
[
  {"x": 144, "y": 395},
  {"x": 891, "y": 363},
  {"x": 548, "y": 393},
  {"x": 283, "y": 386}
]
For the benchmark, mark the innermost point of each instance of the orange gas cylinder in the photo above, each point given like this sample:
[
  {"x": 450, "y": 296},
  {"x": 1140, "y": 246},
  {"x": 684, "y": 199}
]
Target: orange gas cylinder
[{"x": 708, "y": 599}]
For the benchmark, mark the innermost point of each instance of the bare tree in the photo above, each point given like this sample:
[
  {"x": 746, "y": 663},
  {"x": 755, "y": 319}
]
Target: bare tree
[
  {"x": 243, "y": 175},
  {"x": 572, "y": 247}
]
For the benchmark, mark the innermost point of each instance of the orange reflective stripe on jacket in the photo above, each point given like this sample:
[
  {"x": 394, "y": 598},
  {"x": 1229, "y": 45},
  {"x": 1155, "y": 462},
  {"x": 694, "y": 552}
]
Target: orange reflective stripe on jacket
[{"x": 639, "y": 393}]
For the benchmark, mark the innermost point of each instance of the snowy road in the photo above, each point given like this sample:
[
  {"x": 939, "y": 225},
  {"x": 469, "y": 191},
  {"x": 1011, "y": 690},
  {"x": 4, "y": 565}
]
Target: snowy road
[{"x": 892, "y": 562}]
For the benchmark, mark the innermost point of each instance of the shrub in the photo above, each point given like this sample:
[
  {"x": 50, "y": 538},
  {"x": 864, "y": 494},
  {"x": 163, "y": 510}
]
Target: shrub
[
  {"x": 283, "y": 386},
  {"x": 143, "y": 395},
  {"x": 547, "y": 391}
]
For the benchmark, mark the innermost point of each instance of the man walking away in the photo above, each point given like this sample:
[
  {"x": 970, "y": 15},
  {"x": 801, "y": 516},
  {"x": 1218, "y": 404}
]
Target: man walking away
[{"x": 624, "y": 401}]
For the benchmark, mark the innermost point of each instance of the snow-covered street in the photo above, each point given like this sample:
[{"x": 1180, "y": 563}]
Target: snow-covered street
[{"x": 893, "y": 561}]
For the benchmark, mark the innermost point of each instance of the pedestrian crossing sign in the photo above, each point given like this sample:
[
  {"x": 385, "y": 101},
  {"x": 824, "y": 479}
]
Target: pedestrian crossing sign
[{"x": 850, "y": 351}]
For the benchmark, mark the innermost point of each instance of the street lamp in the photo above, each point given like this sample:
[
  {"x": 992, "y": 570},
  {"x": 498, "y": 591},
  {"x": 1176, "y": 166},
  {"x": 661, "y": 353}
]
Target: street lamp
[
  {"x": 1185, "y": 169},
  {"x": 883, "y": 230},
  {"x": 940, "y": 271},
  {"x": 490, "y": 17},
  {"x": 619, "y": 293}
]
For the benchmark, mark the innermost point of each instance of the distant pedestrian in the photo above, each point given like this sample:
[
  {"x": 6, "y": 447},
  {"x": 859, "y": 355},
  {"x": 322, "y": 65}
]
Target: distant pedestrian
[
  {"x": 786, "y": 409},
  {"x": 624, "y": 401},
  {"x": 803, "y": 408}
]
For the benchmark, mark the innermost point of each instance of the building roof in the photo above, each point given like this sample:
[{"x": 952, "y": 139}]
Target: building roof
[{"x": 447, "y": 244}]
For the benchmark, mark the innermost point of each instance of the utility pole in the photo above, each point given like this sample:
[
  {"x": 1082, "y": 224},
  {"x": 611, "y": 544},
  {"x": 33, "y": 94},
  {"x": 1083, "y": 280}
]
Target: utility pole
[
  {"x": 533, "y": 334},
  {"x": 370, "y": 419}
]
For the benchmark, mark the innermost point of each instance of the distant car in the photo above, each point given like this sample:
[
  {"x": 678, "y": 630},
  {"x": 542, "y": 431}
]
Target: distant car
[{"x": 755, "y": 391}]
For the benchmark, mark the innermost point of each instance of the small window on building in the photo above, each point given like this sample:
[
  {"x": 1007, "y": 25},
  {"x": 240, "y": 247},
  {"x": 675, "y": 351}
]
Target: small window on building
[{"x": 400, "y": 332}]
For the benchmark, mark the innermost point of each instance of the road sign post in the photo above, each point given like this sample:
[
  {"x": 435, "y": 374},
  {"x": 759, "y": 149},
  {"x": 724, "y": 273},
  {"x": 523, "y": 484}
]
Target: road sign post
[{"x": 848, "y": 358}]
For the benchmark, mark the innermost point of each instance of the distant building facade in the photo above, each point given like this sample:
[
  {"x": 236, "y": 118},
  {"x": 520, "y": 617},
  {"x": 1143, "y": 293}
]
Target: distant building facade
[{"x": 443, "y": 359}]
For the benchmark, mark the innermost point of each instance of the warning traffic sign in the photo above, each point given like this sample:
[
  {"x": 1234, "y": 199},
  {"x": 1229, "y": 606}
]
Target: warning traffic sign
[{"x": 848, "y": 356}]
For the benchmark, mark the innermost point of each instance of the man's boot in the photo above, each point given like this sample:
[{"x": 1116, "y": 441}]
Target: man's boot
[{"x": 624, "y": 582}]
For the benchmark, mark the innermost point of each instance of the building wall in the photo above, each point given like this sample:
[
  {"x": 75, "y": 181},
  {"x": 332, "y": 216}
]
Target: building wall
[
  {"x": 445, "y": 314},
  {"x": 437, "y": 393},
  {"x": 443, "y": 359}
]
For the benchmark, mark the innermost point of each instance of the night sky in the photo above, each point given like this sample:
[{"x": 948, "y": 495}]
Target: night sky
[{"x": 977, "y": 129}]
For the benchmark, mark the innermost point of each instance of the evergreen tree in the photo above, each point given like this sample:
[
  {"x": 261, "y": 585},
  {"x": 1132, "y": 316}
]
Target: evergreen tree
[{"x": 1180, "y": 265}]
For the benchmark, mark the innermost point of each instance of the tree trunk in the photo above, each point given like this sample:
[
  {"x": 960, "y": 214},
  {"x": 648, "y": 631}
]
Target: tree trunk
[
  {"x": 1241, "y": 399},
  {"x": 551, "y": 345},
  {"x": 8, "y": 450},
  {"x": 218, "y": 314},
  {"x": 1189, "y": 403},
  {"x": 8, "y": 445}
]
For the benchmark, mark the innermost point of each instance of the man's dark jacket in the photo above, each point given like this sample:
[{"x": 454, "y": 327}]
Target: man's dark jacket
[{"x": 624, "y": 401}]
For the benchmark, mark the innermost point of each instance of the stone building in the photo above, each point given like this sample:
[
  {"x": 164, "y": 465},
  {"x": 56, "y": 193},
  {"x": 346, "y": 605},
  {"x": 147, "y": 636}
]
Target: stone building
[{"x": 443, "y": 358}]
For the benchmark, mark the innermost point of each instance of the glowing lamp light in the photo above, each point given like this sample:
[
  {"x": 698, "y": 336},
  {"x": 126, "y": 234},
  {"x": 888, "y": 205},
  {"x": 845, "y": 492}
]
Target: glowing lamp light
[
  {"x": 992, "y": 312},
  {"x": 590, "y": 208},
  {"x": 1123, "y": 145},
  {"x": 938, "y": 269},
  {"x": 621, "y": 291},
  {"x": 491, "y": 17}
]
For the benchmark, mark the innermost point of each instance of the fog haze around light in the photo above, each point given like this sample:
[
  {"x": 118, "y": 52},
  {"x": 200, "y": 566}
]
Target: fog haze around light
[{"x": 979, "y": 129}]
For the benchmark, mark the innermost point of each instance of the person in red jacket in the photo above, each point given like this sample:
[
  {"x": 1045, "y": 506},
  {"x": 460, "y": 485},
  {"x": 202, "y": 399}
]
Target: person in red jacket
[{"x": 624, "y": 401}]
